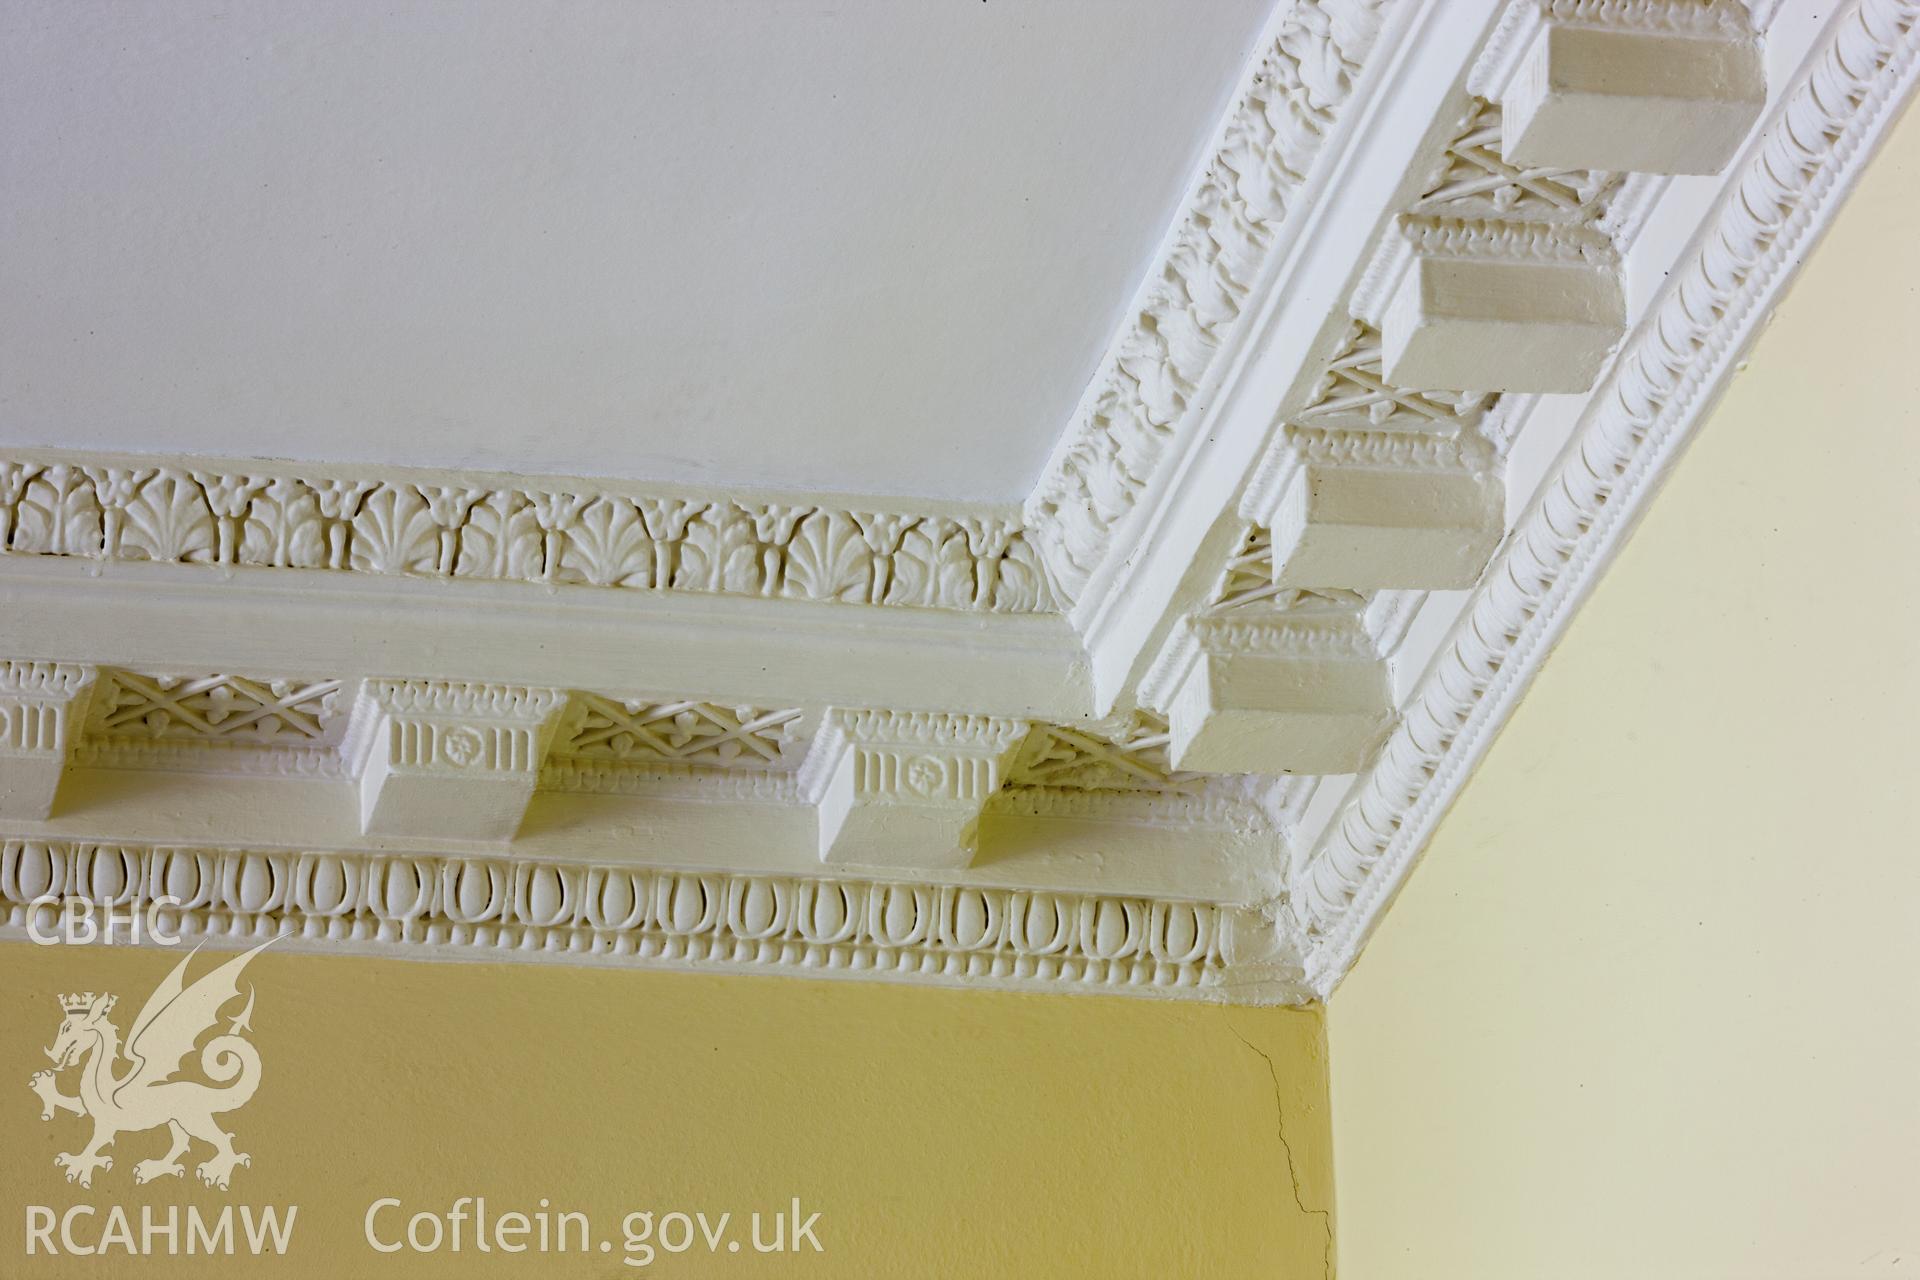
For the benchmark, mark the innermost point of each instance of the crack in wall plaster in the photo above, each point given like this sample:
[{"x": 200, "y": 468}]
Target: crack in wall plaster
[{"x": 1293, "y": 1172}]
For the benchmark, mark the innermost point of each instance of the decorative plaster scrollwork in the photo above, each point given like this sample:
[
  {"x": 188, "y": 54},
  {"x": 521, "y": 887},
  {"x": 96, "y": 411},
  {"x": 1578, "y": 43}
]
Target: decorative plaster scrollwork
[
  {"x": 699, "y": 733},
  {"x": 217, "y": 707},
  {"x": 1353, "y": 393},
  {"x": 1475, "y": 181},
  {"x": 1195, "y": 297},
  {"x": 1127, "y": 755},
  {"x": 1246, "y": 585}
]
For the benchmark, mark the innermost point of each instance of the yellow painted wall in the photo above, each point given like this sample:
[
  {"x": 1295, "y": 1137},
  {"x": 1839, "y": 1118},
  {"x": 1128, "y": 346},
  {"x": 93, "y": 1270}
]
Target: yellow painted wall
[
  {"x": 1651, "y": 1004},
  {"x": 939, "y": 1133}
]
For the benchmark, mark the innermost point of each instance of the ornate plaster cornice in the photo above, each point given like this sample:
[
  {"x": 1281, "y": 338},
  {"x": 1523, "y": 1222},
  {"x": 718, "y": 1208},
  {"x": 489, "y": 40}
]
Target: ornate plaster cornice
[
  {"x": 1781, "y": 198},
  {"x": 1182, "y": 728},
  {"x": 433, "y": 906}
]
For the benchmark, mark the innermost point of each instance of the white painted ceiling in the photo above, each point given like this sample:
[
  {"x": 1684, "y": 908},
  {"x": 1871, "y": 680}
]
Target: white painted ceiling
[{"x": 875, "y": 246}]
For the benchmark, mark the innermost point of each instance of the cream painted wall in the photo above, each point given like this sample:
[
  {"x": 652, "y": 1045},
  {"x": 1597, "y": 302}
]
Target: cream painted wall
[
  {"x": 1651, "y": 1004},
  {"x": 938, "y": 1133}
]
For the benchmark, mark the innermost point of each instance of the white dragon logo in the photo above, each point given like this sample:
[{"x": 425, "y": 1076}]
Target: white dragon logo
[{"x": 145, "y": 1095}]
